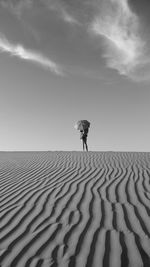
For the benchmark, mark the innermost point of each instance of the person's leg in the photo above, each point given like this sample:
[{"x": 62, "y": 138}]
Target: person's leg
[
  {"x": 83, "y": 143},
  {"x": 86, "y": 145}
]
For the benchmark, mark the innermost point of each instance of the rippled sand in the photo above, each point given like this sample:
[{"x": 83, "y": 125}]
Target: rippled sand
[{"x": 74, "y": 209}]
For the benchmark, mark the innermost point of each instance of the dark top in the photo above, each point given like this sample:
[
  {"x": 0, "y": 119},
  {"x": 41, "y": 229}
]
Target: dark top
[{"x": 84, "y": 133}]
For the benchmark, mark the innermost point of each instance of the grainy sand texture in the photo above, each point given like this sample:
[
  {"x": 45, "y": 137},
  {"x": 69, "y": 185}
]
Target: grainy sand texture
[{"x": 84, "y": 209}]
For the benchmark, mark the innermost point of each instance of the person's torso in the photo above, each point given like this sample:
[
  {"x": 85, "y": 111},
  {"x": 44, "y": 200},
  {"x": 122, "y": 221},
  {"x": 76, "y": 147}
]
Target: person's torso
[{"x": 84, "y": 134}]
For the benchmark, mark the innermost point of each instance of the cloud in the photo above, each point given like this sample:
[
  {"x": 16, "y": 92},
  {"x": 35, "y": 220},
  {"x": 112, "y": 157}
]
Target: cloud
[
  {"x": 16, "y": 6},
  {"x": 119, "y": 27},
  {"x": 62, "y": 9},
  {"x": 113, "y": 24},
  {"x": 68, "y": 18},
  {"x": 29, "y": 55}
]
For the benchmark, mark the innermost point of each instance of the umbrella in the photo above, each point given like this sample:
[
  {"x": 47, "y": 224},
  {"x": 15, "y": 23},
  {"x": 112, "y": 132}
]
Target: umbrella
[{"x": 82, "y": 125}]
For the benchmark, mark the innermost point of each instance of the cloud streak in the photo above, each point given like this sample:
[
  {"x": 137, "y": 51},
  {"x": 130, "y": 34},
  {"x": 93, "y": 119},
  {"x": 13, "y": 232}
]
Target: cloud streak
[
  {"x": 119, "y": 27},
  {"x": 63, "y": 11},
  {"x": 28, "y": 55},
  {"x": 16, "y": 6},
  {"x": 112, "y": 24}
]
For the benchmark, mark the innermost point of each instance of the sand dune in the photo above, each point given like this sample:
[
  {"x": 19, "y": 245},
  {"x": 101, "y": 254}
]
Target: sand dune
[{"x": 74, "y": 209}]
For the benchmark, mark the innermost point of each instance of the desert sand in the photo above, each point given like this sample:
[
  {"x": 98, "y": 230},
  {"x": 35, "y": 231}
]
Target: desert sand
[{"x": 84, "y": 209}]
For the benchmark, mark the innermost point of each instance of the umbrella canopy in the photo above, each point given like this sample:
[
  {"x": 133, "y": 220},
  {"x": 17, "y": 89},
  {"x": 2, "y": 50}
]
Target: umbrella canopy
[{"x": 82, "y": 125}]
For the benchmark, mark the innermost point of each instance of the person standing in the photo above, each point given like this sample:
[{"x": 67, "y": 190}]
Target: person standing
[
  {"x": 83, "y": 127},
  {"x": 83, "y": 137}
]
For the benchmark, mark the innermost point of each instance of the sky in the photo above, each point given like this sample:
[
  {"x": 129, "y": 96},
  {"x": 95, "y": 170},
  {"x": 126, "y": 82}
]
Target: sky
[{"x": 62, "y": 61}]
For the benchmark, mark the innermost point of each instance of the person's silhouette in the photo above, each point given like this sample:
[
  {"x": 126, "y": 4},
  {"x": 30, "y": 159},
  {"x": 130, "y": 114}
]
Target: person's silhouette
[{"x": 83, "y": 137}]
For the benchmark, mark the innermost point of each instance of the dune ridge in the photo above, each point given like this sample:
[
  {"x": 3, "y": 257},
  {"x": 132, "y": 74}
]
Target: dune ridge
[{"x": 74, "y": 209}]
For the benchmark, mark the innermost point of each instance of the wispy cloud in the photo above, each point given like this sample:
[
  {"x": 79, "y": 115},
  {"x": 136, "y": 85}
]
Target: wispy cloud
[
  {"x": 29, "y": 55},
  {"x": 68, "y": 18},
  {"x": 119, "y": 27},
  {"x": 114, "y": 23},
  {"x": 16, "y": 6},
  {"x": 63, "y": 10}
]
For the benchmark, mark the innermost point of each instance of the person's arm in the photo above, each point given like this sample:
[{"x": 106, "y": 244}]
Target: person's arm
[{"x": 81, "y": 134}]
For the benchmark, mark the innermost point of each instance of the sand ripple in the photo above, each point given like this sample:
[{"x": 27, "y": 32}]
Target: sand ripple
[{"x": 74, "y": 209}]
